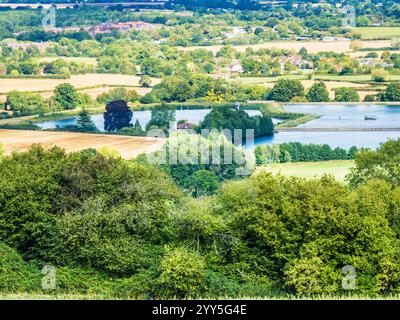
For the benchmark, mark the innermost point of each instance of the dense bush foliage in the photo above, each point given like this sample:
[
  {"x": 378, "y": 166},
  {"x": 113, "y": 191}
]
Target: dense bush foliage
[
  {"x": 186, "y": 156},
  {"x": 122, "y": 229},
  {"x": 228, "y": 118}
]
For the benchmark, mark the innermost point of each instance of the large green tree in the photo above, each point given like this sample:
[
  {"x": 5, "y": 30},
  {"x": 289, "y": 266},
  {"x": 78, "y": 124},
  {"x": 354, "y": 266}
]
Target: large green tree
[
  {"x": 318, "y": 92},
  {"x": 286, "y": 89},
  {"x": 66, "y": 96},
  {"x": 346, "y": 95},
  {"x": 392, "y": 92}
]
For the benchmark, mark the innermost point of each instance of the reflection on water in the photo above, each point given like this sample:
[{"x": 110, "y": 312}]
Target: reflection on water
[
  {"x": 332, "y": 116},
  {"x": 349, "y": 116},
  {"x": 347, "y": 139},
  {"x": 192, "y": 116}
]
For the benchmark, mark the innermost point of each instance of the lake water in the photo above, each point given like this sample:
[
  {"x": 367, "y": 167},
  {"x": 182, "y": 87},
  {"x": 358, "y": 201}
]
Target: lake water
[
  {"x": 342, "y": 116},
  {"x": 349, "y": 116},
  {"x": 192, "y": 116}
]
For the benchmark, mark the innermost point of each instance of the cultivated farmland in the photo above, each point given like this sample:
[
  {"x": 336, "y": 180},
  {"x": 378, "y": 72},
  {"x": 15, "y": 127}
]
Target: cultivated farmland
[
  {"x": 127, "y": 147},
  {"x": 93, "y": 84}
]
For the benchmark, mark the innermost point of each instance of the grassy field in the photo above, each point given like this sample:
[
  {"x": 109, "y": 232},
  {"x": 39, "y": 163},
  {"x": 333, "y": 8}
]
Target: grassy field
[
  {"x": 371, "y": 33},
  {"x": 338, "y": 168},
  {"x": 127, "y": 147}
]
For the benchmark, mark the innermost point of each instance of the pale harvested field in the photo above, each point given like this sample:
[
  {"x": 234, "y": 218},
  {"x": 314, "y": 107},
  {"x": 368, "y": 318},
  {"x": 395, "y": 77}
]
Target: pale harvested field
[
  {"x": 311, "y": 46},
  {"x": 79, "y": 81},
  {"x": 87, "y": 60},
  {"x": 93, "y": 92},
  {"x": 127, "y": 147}
]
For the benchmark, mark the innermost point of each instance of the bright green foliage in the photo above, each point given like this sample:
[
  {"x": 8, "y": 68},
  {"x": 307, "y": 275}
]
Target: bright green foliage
[
  {"x": 37, "y": 186},
  {"x": 392, "y": 92},
  {"x": 66, "y": 96},
  {"x": 182, "y": 274},
  {"x": 383, "y": 164},
  {"x": 346, "y": 95},
  {"x": 297, "y": 152},
  {"x": 204, "y": 183},
  {"x": 295, "y": 222},
  {"x": 228, "y": 118},
  {"x": 118, "y": 94},
  {"x": 25, "y": 102},
  {"x": 15, "y": 274},
  {"x": 318, "y": 93},
  {"x": 184, "y": 154},
  {"x": 312, "y": 276},
  {"x": 286, "y": 89},
  {"x": 121, "y": 229}
]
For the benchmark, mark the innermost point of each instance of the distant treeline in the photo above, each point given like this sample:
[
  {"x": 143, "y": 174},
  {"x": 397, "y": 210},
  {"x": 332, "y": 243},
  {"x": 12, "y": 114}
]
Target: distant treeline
[{"x": 298, "y": 152}]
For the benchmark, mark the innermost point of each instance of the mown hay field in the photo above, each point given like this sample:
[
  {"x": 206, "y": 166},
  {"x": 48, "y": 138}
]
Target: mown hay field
[
  {"x": 79, "y": 81},
  {"x": 90, "y": 83},
  {"x": 128, "y": 147}
]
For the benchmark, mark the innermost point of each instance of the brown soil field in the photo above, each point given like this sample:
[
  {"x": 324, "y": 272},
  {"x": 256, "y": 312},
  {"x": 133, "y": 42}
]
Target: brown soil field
[
  {"x": 311, "y": 46},
  {"x": 127, "y": 147},
  {"x": 79, "y": 81}
]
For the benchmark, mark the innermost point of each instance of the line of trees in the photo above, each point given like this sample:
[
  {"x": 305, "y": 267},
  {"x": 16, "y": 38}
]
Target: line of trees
[{"x": 298, "y": 152}]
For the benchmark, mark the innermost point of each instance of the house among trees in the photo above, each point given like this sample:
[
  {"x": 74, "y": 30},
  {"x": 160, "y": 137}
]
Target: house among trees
[
  {"x": 185, "y": 125},
  {"x": 235, "y": 67},
  {"x": 42, "y": 46},
  {"x": 370, "y": 62},
  {"x": 108, "y": 27},
  {"x": 296, "y": 61}
]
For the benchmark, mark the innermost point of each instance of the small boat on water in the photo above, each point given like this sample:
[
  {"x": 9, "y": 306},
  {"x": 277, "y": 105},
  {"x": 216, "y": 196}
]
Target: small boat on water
[{"x": 369, "y": 117}]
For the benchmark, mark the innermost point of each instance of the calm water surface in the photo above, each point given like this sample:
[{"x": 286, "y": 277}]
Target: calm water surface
[{"x": 332, "y": 116}]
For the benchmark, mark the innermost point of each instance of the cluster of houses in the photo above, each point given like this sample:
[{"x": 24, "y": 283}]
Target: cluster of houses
[
  {"x": 371, "y": 62},
  {"x": 235, "y": 67},
  {"x": 108, "y": 27},
  {"x": 42, "y": 46}
]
